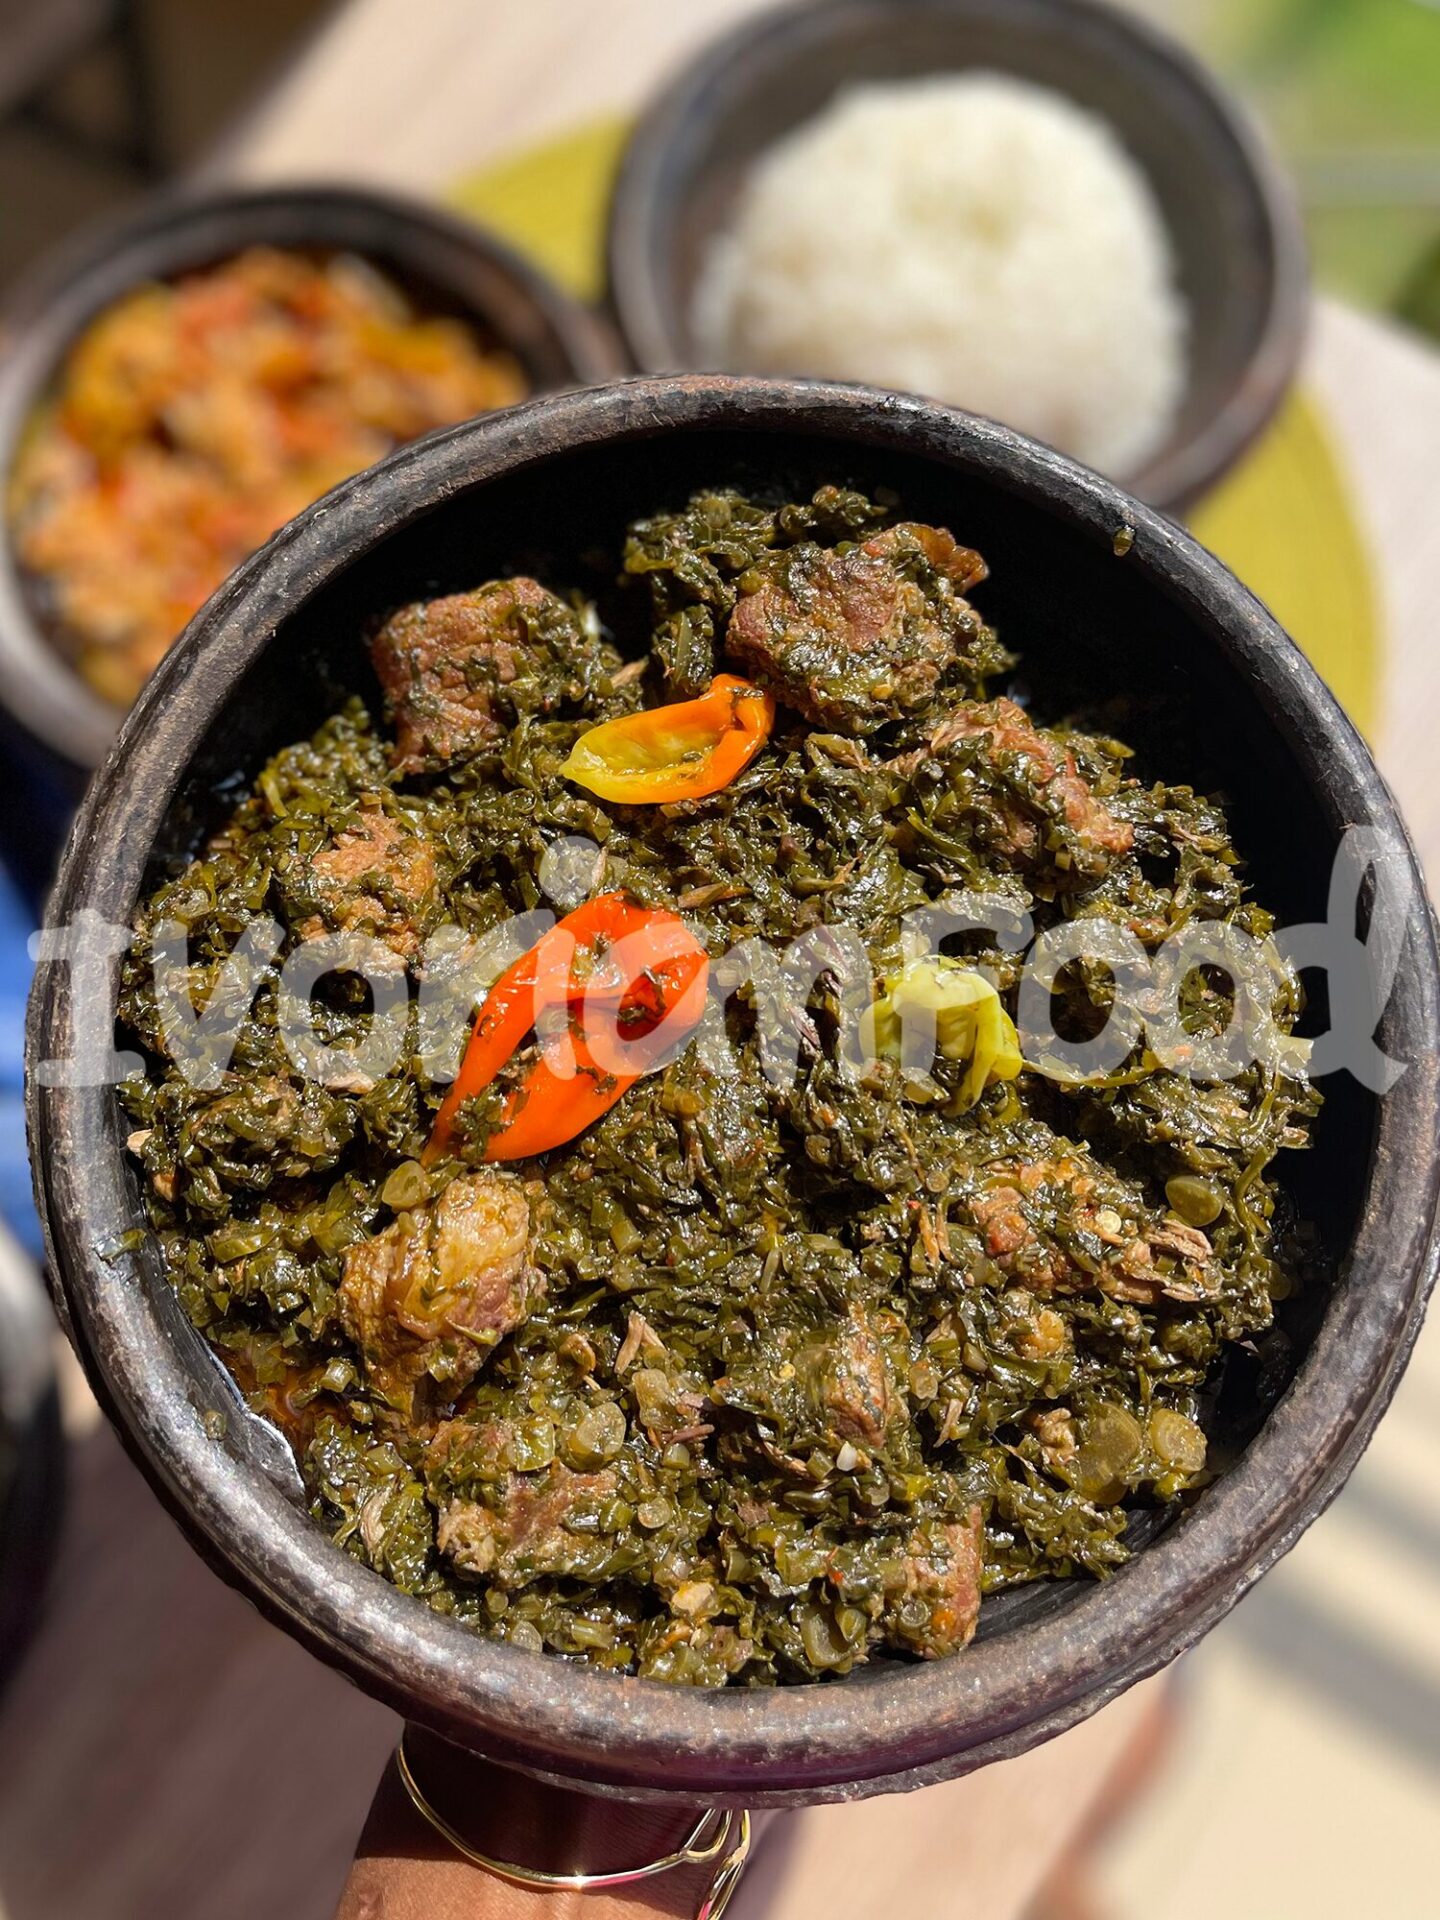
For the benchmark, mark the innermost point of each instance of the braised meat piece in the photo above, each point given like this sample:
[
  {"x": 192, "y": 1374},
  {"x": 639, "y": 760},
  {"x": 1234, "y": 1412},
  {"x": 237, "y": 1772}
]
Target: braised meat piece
[
  {"x": 935, "y": 1609},
  {"x": 1060, "y": 1225},
  {"x": 427, "y": 1299},
  {"x": 454, "y": 670},
  {"x": 858, "y": 637},
  {"x": 961, "y": 567},
  {"x": 1025, "y": 784},
  {"x": 1058, "y": 1435},
  {"x": 246, "y": 1136},
  {"x": 542, "y": 1524},
  {"x": 852, "y": 1381},
  {"x": 375, "y": 879}
]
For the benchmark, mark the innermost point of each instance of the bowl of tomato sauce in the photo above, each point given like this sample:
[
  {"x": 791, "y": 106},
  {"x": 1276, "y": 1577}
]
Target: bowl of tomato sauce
[{"x": 177, "y": 385}]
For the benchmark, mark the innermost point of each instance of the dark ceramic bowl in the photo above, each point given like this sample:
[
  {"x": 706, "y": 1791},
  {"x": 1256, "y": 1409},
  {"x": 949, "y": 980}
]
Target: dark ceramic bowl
[
  {"x": 1233, "y": 222},
  {"x": 447, "y": 265},
  {"x": 1222, "y": 699}
]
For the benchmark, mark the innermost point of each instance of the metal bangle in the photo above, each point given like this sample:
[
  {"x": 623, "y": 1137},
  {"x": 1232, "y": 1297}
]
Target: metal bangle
[{"x": 706, "y": 1841}]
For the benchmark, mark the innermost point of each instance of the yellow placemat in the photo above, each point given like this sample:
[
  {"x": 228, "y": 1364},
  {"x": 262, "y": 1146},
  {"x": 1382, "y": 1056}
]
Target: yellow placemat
[
  {"x": 550, "y": 202},
  {"x": 1284, "y": 523},
  {"x": 1283, "y": 520}
]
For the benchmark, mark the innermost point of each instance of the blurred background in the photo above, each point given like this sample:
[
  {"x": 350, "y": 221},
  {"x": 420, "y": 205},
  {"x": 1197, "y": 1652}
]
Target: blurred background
[
  {"x": 100, "y": 97},
  {"x": 1300, "y": 1772}
]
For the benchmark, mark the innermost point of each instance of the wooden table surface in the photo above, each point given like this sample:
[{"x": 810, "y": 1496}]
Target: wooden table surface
[{"x": 166, "y": 1754}]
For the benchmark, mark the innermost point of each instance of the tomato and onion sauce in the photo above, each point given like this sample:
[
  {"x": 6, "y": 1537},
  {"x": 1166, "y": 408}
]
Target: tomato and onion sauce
[{"x": 193, "y": 418}]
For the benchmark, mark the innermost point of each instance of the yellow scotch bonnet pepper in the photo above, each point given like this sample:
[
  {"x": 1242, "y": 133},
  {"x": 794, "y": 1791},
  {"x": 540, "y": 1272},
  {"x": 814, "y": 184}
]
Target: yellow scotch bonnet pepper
[
  {"x": 970, "y": 1022},
  {"x": 678, "y": 752}
]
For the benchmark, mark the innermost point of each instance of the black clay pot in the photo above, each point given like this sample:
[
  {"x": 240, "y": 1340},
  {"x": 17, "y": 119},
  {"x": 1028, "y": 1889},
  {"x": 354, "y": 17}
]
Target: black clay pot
[
  {"x": 448, "y": 265},
  {"x": 1222, "y": 698},
  {"x": 1233, "y": 220}
]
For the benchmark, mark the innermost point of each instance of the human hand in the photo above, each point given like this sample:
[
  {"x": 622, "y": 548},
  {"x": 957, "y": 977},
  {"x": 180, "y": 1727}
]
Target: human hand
[{"x": 405, "y": 1869}]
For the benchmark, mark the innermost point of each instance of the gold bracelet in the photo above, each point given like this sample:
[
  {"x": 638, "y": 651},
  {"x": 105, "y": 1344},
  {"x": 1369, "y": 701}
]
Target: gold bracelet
[{"x": 706, "y": 1841}]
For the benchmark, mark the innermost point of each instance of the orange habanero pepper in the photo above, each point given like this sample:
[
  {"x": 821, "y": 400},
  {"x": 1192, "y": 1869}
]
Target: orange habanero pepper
[
  {"x": 678, "y": 752},
  {"x": 635, "y": 966}
]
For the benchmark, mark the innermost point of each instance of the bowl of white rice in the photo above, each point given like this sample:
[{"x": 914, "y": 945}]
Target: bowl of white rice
[{"x": 1039, "y": 210}]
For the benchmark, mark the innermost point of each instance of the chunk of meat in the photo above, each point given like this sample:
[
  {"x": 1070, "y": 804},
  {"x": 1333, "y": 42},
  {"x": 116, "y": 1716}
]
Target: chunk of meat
[
  {"x": 542, "y": 1524},
  {"x": 377, "y": 879},
  {"x": 1037, "y": 1333},
  {"x": 254, "y": 1132},
  {"x": 858, "y": 637},
  {"x": 961, "y": 567},
  {"x": 936, "y": 1608},
  {"x": 464, "y": 1449},
  {"x": 427, "y": 1299},
  {"x": 445, "y": 663},
  {"x": 1053, "y": 1226},
  {"x": 1050, "y": 787},
  {"x": 1058, "y": 1435},
  {"x": 852, "y": 1381},
  {"x": 1013, "y": 1241}
]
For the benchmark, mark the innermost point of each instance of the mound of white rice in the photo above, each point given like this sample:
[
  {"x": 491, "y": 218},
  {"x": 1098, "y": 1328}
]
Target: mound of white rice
[{"x": 973, "y": 238}]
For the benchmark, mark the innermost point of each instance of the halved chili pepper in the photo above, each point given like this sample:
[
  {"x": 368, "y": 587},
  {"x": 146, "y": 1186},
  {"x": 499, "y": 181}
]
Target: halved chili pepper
[
  {"x": 678, "y": 752},
  {"x": 611, "y": 962}
]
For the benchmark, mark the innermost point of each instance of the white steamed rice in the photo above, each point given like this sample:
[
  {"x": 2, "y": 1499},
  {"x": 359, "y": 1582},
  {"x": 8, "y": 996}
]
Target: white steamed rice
[{"x": 973, "y": 238}]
